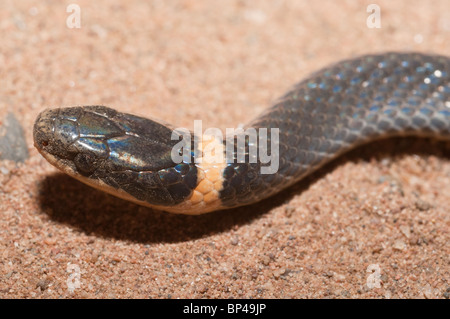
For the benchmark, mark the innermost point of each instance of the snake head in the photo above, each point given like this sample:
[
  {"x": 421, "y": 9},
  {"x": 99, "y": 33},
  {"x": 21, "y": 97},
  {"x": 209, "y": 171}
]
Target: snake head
[
  {"x": 125, "y": 155},
  {"x": 95, "y": 138}
]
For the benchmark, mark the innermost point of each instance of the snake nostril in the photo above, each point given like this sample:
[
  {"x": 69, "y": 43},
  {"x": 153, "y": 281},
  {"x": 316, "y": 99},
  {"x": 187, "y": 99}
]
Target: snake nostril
[{"x": 44, "y": 143}]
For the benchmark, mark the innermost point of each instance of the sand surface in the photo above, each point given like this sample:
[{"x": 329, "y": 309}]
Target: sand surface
[{"x": 382, "y": 209}]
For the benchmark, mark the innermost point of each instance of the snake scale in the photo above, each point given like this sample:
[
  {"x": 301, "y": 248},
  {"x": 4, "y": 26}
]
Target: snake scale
[{"x": 330, "y": 112}]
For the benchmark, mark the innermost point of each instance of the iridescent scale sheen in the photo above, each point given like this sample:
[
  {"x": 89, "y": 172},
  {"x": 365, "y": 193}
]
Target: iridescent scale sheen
[{"x": 342, "y": 106}]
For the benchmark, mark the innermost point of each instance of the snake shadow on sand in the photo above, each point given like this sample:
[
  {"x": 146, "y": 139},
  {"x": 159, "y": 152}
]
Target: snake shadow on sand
[{"x": 68, "y": 201}]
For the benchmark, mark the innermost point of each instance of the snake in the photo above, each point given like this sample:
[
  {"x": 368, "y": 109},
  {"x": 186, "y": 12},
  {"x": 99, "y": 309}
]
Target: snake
[{"x": 333, "y": 110}]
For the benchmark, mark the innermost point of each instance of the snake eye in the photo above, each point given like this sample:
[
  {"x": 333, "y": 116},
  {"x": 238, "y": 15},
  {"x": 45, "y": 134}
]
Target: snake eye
[{"x": 85, "y": 163}]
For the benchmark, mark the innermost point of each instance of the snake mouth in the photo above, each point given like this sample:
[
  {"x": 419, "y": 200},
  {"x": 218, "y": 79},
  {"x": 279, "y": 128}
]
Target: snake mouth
[
  {"x": 44, "y": 129},
  {"x": 54, "y": 132},
  {"x": 44, "y": 140}
]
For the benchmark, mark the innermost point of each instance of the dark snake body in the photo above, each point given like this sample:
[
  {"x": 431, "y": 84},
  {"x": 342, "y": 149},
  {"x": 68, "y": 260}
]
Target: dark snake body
[{"x": 336, "y": 109}]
